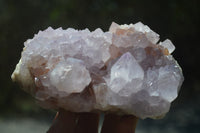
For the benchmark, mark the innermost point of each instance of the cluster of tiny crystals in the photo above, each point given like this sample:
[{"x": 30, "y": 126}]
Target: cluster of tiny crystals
[{"x": 125, "y": 70}]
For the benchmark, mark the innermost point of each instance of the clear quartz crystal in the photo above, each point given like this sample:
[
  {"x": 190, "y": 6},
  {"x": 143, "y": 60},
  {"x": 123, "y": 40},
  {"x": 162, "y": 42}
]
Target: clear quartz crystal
[
  {"x": 123, "y": 70},
  {"x": 70, "y": 76},
  {"x": 125, "y": 74},
  {"x": 168, "y": 44}
]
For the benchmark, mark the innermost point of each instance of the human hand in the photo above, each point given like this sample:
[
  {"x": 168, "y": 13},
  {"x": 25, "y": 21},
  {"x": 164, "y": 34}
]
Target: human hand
[{"x": 69, "y": 122}]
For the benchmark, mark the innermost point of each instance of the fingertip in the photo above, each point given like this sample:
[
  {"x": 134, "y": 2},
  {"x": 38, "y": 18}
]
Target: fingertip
[
  {"x": 64, "y": 121},
  {"x": 119, "y": 124}
]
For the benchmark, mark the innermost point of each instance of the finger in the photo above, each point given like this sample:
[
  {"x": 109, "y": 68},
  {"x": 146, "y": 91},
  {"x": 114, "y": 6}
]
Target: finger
[
  {"x": 87, "y": 123},
  {"x": 65, "y": 122},
  {"x": 119, "y": 124}
]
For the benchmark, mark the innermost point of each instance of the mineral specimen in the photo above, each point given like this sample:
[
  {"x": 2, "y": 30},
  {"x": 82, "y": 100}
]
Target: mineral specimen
[{"x": 124, "y": 70}]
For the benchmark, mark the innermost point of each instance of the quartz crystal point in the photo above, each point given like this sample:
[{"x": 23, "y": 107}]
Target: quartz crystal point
[{"x": 124, "y": 70}]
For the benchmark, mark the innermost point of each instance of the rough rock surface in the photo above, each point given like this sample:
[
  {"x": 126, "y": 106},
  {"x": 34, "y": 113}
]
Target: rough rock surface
[{"x": 124, "y": 70}]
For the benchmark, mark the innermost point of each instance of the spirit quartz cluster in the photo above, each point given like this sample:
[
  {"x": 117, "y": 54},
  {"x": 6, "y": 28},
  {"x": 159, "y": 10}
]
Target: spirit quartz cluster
[{"x": 124, "y": 70}]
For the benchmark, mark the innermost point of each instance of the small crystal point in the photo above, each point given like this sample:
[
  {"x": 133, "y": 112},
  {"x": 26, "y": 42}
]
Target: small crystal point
[
  {"x": 124, "y": 72},
  {"x": 168, "y": 44}
]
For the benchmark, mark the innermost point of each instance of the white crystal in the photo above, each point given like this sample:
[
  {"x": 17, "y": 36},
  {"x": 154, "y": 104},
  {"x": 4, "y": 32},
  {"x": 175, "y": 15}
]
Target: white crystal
[
  {"x": 122, "y": 70},
  {"x": 70, "y": 76},
  {"x": 141, "y": 27},
  {"x": 125, "y": 73},
  {"x": 151, "y": 35},
  {"x": 133, "y": 35},
  {"x": 168, "y": 44},
  {"x": 170, "y": 81},
  {"x": 113, "y": 27}
]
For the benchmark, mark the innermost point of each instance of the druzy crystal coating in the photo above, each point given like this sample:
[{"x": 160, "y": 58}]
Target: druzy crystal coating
[{"x": 124, "y": 70}]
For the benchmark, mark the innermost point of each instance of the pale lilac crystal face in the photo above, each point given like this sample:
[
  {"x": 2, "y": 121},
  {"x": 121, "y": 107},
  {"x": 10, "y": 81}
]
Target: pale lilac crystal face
[{"x": 123, "y": 70}]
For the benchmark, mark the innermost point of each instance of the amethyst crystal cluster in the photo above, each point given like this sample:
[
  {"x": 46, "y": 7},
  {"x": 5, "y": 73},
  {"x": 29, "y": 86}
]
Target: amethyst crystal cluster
[{"x": 124, "y": 70}]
